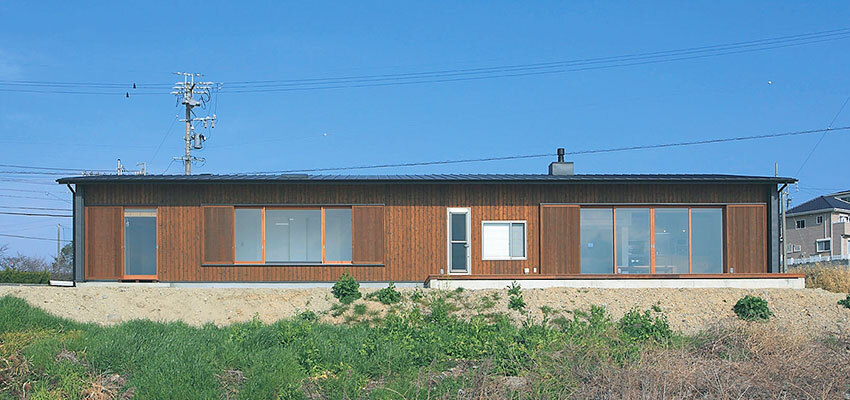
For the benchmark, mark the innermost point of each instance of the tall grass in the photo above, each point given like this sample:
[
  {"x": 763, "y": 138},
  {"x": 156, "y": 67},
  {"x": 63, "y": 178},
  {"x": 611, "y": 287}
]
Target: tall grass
[
  {"x": 417, "y": 354},
  {"x": 834, "y": 278}
]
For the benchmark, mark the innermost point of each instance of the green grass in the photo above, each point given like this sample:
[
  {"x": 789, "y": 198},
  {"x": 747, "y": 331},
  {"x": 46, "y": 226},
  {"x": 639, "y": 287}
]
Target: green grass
[{"x": 298, "y": 357}]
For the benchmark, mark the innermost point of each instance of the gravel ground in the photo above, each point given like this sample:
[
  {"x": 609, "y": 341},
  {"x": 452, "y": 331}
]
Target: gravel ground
[{"x": 807, "y": 311}]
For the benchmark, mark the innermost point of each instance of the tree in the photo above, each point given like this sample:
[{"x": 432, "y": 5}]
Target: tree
[
  {"x": 63, "y": 264},
  {"x": 22, "y": 262}
]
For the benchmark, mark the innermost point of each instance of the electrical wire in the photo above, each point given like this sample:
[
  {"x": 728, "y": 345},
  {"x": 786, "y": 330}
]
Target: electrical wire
[
  {"x": 822, "y": 136},
  {"x": 53, "y": 168},
  {"x": 581, "y": 152},
  {"x": 36, "y": 208},
  {"x": 34, "y": 214},
  {"x": 453, "y": 75},
  {"x": 32, "y": 237}
]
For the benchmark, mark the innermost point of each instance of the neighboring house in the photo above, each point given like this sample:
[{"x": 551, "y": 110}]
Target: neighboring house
[
  {"x": 421, "y": 228},
  {"x": 819, "y": 228}
]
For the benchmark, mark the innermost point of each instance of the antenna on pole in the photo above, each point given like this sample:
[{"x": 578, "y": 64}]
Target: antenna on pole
[{"x": 186, "y": 92}]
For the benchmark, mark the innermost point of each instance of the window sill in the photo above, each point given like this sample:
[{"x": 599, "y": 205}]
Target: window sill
[
  {"x": 291, "y": 265},
  {"x": 505, "y": 259}
]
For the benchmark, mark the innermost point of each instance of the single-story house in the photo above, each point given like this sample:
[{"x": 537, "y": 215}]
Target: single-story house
[{"x": 441, "y": 230}]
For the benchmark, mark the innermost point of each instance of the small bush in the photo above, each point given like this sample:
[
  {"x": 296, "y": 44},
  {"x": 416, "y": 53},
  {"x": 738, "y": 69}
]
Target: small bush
[
  {"x": 845, "y": 302},
  {"x": 640, "y": 326},
  {"x": 388, "y": 295},
  {"x": 516, "y": 302},
  {"x": 12, "y": 276},
  {"x": 346, "y": 289},
  {"x": 308, "y": 316},
  {"x": 752, "y": 308},
  {"x": 359, "y": 309}
]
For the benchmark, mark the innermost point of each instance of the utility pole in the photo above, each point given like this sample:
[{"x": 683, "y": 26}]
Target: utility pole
[
  {"x": 58, "y": 241},
  {"x": 783, "y": 195},
  {"x": 185, "y": 92}
]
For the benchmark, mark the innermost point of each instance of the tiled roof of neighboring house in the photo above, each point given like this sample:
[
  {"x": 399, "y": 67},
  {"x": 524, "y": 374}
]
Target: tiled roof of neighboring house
[
  {"x": 820, "y": 203},
  {"x": 432, "y": 178}
]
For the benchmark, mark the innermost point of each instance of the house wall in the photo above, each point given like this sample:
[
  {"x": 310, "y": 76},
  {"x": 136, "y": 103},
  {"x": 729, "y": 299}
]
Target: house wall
[
  {"x": 807, "y": 237},
  {"x": 414, "y": 223}
]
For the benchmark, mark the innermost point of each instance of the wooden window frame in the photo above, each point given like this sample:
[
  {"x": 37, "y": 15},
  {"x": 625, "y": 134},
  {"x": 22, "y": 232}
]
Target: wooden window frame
[
  {"x": 652, "y": 209},
  {"x": 509, "y": 257},
  {"x": 263, "y": 209}
]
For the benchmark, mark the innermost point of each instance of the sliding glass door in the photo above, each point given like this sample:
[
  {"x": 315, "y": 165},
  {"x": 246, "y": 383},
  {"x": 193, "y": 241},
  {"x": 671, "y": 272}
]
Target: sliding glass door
[{"x": 651, "y": 240}]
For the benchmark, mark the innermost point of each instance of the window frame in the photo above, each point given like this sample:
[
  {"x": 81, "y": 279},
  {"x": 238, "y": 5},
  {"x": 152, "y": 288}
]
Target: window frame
[
  {"x": 263, "y": 209},
  {"x": 510, "y": 238},
  {"x": 449, "y": 241},
  {"x": 819, "y": 220},
  {"x": 652, "y": 208},
  {"x": 828, "y": 247},
  {"x": 800, "y": 223}
]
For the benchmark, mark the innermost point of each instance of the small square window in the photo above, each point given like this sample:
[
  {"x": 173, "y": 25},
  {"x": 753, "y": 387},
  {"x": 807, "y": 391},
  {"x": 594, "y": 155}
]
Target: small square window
[
  {"x": 800, "y": 223},
  {"x": 820, "y": 219},
  {"x": 503, "y": 240},
  {"x": 824, "y": 245}
]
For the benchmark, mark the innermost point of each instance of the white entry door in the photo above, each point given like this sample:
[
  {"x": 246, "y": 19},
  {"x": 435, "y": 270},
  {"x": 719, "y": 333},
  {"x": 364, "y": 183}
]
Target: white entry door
[{"x": 458, "y": 240}]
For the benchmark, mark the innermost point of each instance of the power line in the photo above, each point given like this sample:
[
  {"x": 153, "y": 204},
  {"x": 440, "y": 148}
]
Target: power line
[
  {"x": 581, "y": 152},
  {"x": 822, "y": 136},
  {"x": 53, "y": 168},
  {"x": 502, "y": 71},
  {"x": 34, "y": 214},
  {"x": 33, "y": 198},
  {"x": 31, "y": 237},
  {"x": 36, "y": 208}
]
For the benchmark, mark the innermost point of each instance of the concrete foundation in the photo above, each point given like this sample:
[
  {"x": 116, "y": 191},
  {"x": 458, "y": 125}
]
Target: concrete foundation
[{"x": 738, "y": 283}]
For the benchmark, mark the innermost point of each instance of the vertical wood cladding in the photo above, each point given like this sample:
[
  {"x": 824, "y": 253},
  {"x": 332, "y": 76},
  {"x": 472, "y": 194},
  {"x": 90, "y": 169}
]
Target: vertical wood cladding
[
  {"x": 559, "y": 239},
  {"x": 367, "y": 234},
  {"x": 104, "y": 242},
  {"x": 746, "y": 238},
  {"x": 414, "y": 222},
  {"x": 217, "y": 234}
]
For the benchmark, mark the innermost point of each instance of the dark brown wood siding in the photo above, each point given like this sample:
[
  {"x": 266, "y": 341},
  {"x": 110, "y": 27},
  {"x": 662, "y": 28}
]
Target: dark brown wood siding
[
  {"x": 367, "y": 234},
  {"x": 746, "y": 239},
  {"x": 218, "y": 234},
  {"x": 414, "y": 221},
  {"x": 559, "y": 239},
  {"x": 104, "y": 242}
]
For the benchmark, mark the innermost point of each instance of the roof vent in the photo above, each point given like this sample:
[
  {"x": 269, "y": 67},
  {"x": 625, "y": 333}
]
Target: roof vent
[{"x": 561, "y": 167}]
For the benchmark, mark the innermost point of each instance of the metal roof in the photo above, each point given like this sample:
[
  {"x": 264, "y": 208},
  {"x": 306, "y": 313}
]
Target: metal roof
[
  {"x": 431, "y": 178},
  {"x": 824, "y": 203}
]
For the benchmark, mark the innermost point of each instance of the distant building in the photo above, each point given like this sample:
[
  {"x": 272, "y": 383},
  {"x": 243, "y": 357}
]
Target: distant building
[{"x": 819, "y": 228}]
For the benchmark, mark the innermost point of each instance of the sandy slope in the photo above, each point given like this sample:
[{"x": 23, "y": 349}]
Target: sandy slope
[{"x": 809, "y": 311}]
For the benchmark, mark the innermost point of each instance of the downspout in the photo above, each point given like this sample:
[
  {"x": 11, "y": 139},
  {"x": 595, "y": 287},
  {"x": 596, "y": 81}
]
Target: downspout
[
  {"x": 783, "y": 251},
  {"x": 73, "y": 234}
]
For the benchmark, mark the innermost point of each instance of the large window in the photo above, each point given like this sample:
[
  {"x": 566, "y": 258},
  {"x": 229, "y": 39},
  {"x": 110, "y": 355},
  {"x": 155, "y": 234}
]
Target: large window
[
  {"x": 633, "y": 241},
  {"x": 292, "y": 235},
  {"x": 597, "y": 241},
  {"x": 659, "y": 240},
  {"x": 706, "y": 241},
  {"x": 503, "y": 240}
]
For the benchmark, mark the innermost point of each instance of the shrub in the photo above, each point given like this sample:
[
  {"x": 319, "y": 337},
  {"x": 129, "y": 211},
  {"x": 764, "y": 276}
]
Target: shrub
[
  {"x": 308, "y": 316},
  {"x": 388, "y": 295},
  {"x": 346, "y": 289},
  {"x": 752, "y": 308},
  {"x": 516, "y": 302},
  {"x": 845, "y": 302},
  {"x": 12, "y": 276},
  {"x": 359, "y": 309},
  {"x": 642, "y": 326},
  {"x": 823, "y": 276}
]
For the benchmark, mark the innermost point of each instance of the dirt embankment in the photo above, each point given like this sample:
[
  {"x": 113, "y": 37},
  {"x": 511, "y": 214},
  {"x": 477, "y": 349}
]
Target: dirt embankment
[{"x": 808, "y": 311}]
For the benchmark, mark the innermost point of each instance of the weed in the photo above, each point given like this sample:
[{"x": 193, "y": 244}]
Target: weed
[
  {"x": 459, "y": 290},
  {"x": 752, "y": 308},
  {"x": 845, "y": 302},
  {"x": 515, "y": 302},
  {"x": 308, "y": 316},
  {"x": 514, "y": 289},
  {"x": 834, "y": 278},
  {"x": 416, "y": 295},
  {"x": 388, "y": 295},
  {"x": 338, "y": 309},
  {"x": 346, "y": 289},
  {"x": 642, "y": 326},
  {"x": 359, "y": 309}
]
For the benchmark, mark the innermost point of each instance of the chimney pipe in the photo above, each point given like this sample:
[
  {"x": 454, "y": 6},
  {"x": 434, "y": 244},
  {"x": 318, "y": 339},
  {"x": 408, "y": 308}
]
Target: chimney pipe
[{"x": 561, "y": 167}]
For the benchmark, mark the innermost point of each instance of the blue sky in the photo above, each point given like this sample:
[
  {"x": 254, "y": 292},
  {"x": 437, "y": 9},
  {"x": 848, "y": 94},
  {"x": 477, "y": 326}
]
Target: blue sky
[{"x": 645, "y": 104}]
